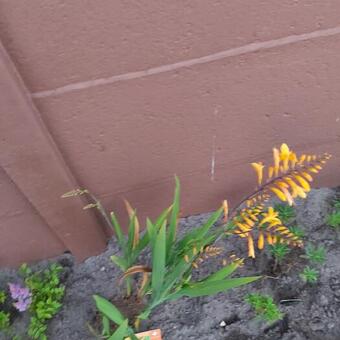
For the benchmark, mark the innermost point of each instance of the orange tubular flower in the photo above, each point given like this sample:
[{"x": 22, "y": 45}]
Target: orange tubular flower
[
  {"x": 269, "y": 238},
  {"x": 251, "y": 250},
  {"x": 270, "y": 172},
  {"x": 276, "y": 155},
  {"x": 305, "y": 185},
  {"x": 270, "y": 216},
  {"x": 258, "y": 167},
  {"x": 284, "y": 156},
  {"x": 260, "y": 242},
  {"x": 225, "y": 210}
]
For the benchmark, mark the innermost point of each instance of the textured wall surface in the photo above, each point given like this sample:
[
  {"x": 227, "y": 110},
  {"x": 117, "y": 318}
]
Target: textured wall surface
[
  {"x": 21, "y": 228},
  {"x": 134, "y": 92}
]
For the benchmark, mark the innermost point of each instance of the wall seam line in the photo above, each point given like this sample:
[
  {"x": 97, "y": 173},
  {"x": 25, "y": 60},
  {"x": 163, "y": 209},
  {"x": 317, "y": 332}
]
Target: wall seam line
[{"x": 233, "y": 52}]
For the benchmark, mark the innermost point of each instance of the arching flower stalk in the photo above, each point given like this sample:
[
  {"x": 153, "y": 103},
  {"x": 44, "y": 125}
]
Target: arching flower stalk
[{"x": 288, "y": 178}]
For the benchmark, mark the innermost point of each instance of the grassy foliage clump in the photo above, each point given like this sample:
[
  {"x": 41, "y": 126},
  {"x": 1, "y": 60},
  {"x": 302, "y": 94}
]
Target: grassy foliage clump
[
  {"x": 333, "y": 219},
  {"x": 315, "y": 254},
  {"x": 279, "y": 252},
  {"x": 264, "y": 307},
  {"x": 286, "y": 212},
  {"x": 309, "y": 275}
]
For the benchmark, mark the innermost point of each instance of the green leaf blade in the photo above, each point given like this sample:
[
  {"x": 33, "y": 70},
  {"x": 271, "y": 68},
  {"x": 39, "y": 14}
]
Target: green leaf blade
[
  {"x": 120, "y": 262},
  {"x": 109, "y": 310},
  {"x": 131, "y": 233},
  {"x": 200, "y": 233},
  {"x": 121, "y": 332},
  {"x": 174, "y": 216},
  {"x": 222, "y": 273},
  {"x": 213, "y": 287},
  {"x": 118, "y": 231},
  {"x": 158, "y": 262}
]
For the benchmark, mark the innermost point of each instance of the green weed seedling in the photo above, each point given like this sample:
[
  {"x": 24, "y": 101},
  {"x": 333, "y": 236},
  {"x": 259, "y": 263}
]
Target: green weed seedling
[
  {"x": 5, "y": 319},
  {"x": 336, "y": 204},
  {"x": 264, "y": 307},
  {"x": 4, "y": 322},
  {"x": 286, "y": 212},
  {"x": 309, "y": 275},
  {"x": 333, "y": 219},
  {"x": 315, "y": 254},
  {"x": 4, "y": 315},
  {"x": 297, "y": 231},
  {"x": 279, "y": 251}
]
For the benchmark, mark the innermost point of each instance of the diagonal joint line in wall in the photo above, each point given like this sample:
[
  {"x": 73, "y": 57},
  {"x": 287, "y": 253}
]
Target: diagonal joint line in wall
[{"x": 249, "y": 48}]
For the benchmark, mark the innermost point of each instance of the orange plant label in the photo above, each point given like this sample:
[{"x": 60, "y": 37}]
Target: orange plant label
[{"x": 150, "y": 335}]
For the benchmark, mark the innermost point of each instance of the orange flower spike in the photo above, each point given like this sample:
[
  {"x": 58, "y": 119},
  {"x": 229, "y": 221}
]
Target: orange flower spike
[
  {"x": 225, "y": 210},
  {"x": 251, "y": 250},
  {"x": 258, "y": 167}
]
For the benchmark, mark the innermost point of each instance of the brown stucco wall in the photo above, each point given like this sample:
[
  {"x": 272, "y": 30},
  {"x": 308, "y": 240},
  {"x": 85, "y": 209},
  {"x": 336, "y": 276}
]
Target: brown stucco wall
[
  {"x": 128, "y": 102},
  {"x": 21, "y": 228}
]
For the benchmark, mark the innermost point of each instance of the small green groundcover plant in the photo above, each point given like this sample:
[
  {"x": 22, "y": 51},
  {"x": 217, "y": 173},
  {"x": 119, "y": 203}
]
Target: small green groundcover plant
[
  {"x": 279, "y": 252},
  {"x": 40, "y": 294},
  {"x": 286, "y": 212},
  {"x": 264, "y": 307},
  {"x": 316, "y": 256},
  {"x": 4, "y": 315},
  {"x": 309, "y": 275},
  {"x": 333, "y": 219}
]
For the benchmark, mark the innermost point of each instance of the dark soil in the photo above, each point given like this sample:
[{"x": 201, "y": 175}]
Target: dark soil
[{"x": 311, "y": 311}]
